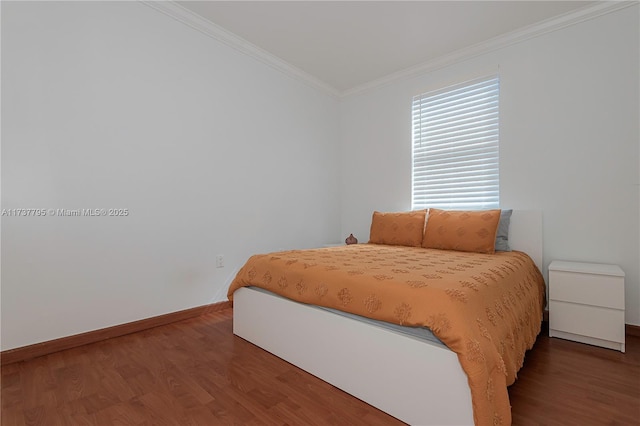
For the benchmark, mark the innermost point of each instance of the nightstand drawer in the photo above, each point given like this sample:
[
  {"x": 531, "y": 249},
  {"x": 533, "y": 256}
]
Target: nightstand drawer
[
  {"x": 591, "y": 321},
  {"x": 589, "y": 289}
]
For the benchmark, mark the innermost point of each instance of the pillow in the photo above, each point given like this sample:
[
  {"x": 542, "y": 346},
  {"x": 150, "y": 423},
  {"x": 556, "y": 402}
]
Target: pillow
[
  {"x": 502, "y": 237},
  {"x": 473, "y": 231},
  {"x": 398, "y": 229}
]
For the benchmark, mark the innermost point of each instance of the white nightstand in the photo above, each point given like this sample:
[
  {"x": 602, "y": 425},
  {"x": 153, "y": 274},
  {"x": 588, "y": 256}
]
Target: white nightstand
[{"x": 586, "y": 303}]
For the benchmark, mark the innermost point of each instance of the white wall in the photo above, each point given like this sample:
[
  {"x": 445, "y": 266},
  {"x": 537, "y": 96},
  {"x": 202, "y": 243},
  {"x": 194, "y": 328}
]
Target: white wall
[
  {"x": 115, "y": 105},
  {"x": 569, "y": 141}
]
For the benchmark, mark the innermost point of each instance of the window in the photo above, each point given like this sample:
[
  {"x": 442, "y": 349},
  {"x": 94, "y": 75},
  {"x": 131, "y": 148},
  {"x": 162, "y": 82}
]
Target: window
[{"x": 455, "y": 147}]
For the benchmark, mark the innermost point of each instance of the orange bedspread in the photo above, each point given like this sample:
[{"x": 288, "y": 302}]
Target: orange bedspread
[{"x": 485, "y": 307}]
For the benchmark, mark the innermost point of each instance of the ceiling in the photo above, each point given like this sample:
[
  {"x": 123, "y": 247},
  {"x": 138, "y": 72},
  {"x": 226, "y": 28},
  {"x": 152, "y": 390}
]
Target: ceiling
[{"x": 347, "y": 44}]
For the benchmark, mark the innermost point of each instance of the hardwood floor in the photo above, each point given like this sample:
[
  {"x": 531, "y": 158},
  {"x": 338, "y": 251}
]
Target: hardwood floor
[
  {"x": 196, "y": 372},
  {"x": 568, "y": 383}
]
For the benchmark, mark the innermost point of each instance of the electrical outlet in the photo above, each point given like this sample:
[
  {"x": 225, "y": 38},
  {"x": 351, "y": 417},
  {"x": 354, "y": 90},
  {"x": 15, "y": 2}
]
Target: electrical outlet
[{"x": 219, "y": 261}]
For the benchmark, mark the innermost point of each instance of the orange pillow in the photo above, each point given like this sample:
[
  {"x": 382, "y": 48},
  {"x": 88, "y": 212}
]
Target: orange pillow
[
  {"x": 398, "y": 229},
  {"x": 473, "y": 231}
]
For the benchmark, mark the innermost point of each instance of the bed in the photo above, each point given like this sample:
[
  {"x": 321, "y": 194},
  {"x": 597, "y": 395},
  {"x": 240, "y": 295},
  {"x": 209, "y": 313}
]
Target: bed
[{"x": 416, "y": 380}]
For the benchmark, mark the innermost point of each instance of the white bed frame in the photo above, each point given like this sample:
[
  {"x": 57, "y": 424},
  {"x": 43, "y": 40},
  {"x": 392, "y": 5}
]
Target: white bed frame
[{"x": 418, "y": 382}]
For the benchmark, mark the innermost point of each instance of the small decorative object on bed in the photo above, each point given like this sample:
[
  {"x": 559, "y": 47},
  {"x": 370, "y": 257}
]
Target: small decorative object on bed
[
  {"x": 351, "y": 240},
  {"x": 485, "y": 306}
]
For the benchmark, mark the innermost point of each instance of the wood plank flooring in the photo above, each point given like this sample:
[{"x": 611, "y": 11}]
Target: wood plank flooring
[{"x": 196, "y": 372}]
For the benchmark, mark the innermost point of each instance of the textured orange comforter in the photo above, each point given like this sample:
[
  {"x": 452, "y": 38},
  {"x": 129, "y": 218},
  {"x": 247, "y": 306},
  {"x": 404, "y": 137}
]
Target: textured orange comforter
[{"x": 485, "y": 307}]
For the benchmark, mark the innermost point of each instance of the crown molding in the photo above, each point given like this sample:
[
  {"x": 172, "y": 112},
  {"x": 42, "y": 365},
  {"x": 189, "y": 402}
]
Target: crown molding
[
  {"x": 195, "y": 21},
  {"x": 198, "y": 23},
  {"x": 514, "y": 37}
]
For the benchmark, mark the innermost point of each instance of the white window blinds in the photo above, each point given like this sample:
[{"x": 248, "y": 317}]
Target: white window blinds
[{"x": 455, "y": 147}]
